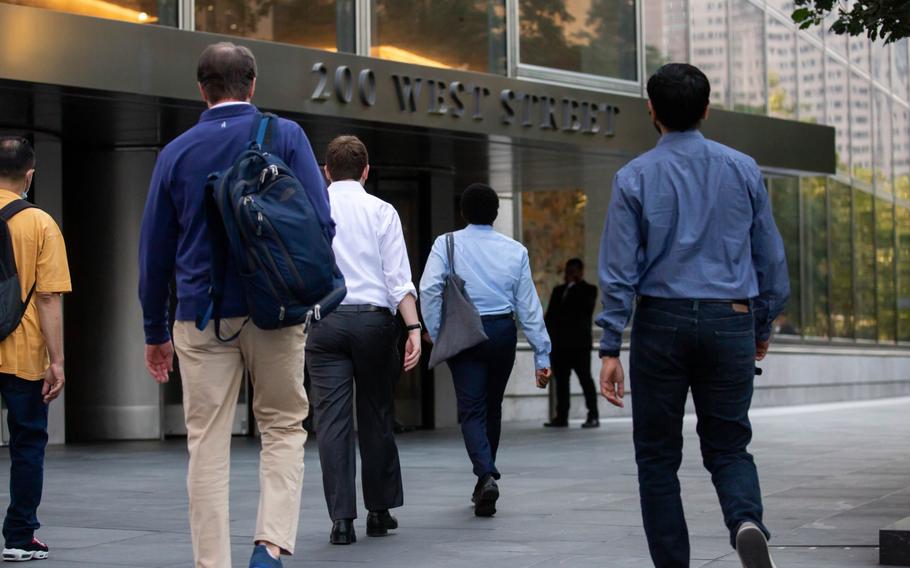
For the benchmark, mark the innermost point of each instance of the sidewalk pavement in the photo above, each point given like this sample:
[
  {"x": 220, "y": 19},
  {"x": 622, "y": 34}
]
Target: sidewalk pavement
[{"x": 832, "y": 476}]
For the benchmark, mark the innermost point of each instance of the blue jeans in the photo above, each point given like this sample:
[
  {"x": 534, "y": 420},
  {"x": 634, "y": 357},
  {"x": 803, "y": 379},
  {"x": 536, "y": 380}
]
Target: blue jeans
[
  {"x": 27, "y": 419},
  {"x": 480, "y": 375},
  {"x": 710, "y": 348}
]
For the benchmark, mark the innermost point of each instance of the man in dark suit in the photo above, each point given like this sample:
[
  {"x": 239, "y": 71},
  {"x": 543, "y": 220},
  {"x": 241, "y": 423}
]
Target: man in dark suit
[{"x": 568, "y": 318}]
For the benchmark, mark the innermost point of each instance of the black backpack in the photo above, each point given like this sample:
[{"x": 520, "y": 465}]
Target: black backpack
[{"x": 12, "y": 308}]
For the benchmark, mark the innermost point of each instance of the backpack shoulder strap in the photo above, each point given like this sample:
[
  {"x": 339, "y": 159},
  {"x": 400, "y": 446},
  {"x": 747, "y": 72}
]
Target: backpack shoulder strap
[
  {"x": 14, "y": 208},
  {"x": 263, "y": 126},
  {"x": 450, "y": 249}
]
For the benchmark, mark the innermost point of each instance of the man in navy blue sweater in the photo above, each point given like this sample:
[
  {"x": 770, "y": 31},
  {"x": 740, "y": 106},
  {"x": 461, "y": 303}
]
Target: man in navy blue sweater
[{"x": 174, "y": 243}]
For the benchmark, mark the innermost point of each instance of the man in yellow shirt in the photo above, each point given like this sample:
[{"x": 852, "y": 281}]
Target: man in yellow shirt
[{"x": 31, "y": 354}]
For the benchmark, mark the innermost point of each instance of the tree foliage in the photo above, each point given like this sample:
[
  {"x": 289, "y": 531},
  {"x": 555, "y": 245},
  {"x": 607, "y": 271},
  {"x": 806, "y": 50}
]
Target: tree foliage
[{"x": 888, "y": 20}]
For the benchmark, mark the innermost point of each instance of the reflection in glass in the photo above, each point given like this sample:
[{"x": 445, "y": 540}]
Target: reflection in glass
[
  {"x": 781, "y": 69},
  {"x": 815, "y": 253},
  {"x": 860, "y": 52},
  {"x": 841, "y": 265},
  {"x": 885, "y": 269},
  {"x": 881, "y": 63},
  {"x": 785, "y": 205},
  {"x": 553, "y": 230},
  {"x": 837, "y": 99},
  {"x": 811, "y": 83},
  {"x": 457, "y": 34},
  {"x": 882, "y": 149},
  {"x": 747, "y": 45},
  {"x": 666, "y": 33},
  {"x": 586, "y": 36},
  {"x": 861, "y": 128},
  {"x": 832, "y": 40},
  {"x": 708, "y": 22},
  {"x": 864, "y": 263},
  {"x": 900, "y": 126},
  {"x": 311, "y": 23},
  {"x": 902, "y": 215},
  {"x": 900, "y": 74},
  {"x": 163, "y": 12}
]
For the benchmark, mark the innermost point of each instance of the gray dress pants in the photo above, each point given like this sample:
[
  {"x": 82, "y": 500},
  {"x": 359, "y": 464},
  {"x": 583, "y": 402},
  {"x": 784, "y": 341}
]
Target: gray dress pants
[{"x": 343, "y": 349}]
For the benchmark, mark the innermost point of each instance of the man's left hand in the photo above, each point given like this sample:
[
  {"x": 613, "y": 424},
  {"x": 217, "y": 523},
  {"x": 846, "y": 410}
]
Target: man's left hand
[
  {"x": 412, "y": 350},
  {"x": 543, "y": 377},
  {"x": 761, "y": 349},
  {"x": 54, "y": 380}
]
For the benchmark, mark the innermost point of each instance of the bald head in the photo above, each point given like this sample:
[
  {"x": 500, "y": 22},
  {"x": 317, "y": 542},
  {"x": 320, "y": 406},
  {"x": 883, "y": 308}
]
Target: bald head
[{"x": 226, "y": 72}]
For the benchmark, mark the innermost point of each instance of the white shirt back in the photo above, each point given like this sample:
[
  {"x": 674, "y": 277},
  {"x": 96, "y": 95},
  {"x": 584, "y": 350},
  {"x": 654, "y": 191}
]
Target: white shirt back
[{"x": 369, "y": 247}]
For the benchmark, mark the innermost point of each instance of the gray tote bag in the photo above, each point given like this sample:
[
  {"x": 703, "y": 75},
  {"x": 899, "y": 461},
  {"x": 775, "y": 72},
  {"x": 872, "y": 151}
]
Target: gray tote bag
[{"x": 461, "y": 327}]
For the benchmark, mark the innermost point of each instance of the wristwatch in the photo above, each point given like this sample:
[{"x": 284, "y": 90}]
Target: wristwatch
[{"x": 413, "y": 327}]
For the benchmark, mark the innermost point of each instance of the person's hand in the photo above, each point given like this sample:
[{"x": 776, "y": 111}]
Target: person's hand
[
  {"x": 612, "y": 380},
  {"x": 54, "y": 380},
  {"x": 412, "y": 350},
  {"x": 761, "y": 349},
  {"x": 543, "y": 377},
  {"x": 159, "y": 360}
]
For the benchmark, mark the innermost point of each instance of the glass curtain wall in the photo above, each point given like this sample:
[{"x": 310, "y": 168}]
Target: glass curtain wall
[{"x": 162, "y": 12}]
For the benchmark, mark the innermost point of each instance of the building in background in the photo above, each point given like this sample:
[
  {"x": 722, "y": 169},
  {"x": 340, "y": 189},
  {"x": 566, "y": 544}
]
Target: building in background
[{"x": 542, "y": 99}]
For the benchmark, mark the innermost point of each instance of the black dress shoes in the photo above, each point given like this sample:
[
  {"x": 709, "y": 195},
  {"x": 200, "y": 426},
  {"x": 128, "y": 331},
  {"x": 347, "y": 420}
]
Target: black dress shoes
[
  {"x": 557, "y": 423},
  {"x": 591, "y": 422},
  {"x": 343, "y": 532},
  {"x": 379, "y": 523},
  {"x": 486, "y": 493}
]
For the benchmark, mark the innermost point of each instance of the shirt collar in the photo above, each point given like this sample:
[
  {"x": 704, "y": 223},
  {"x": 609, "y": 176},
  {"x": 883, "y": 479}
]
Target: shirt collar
[
  {"x": 227, "y": 110},
  {"x": 671, "y": 137},
  {"x": 473, "y": 227},
  {"x": 346, "y": 185}
]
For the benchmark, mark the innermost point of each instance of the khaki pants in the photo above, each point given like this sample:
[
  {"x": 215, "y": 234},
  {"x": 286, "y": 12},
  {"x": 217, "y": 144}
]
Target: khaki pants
[{"x": 212, "y": 374}]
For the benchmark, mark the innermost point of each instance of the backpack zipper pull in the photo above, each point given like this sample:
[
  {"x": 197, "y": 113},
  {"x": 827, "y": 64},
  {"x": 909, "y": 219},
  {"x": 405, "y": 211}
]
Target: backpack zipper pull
[
  {"x": 281, "y": 313},
  {"x": 259, "y": 223}
]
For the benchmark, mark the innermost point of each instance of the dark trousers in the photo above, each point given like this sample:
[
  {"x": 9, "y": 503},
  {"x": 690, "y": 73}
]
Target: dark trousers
[
  {"x": 27, "y": 419},
  {"x": 710, "y": 348},
  {"x": 564, "y": 362},
  {"x": 480, "y": 375},
  {"x": 343, "y": 349}
]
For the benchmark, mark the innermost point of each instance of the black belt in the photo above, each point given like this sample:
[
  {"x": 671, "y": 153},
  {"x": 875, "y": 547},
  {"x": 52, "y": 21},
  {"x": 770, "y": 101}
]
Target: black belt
[
  {"x": 495, "y": 317},
  {"x": 360, "y": 308},
  {"x": 645, "y": 300}
]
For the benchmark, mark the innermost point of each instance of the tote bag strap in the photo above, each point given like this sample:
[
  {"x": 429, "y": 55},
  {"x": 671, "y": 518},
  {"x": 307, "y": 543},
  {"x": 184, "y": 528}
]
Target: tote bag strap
[{"x": 450, "y": 248}]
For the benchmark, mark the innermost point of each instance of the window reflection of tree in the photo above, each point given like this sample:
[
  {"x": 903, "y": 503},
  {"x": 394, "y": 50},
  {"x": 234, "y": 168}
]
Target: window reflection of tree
[{"x": 311, "y": 23}]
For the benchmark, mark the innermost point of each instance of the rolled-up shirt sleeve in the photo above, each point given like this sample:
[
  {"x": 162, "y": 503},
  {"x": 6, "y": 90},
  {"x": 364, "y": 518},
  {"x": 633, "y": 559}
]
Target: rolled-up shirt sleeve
[
  {"x": 530, "y": 315},
  {"x": 620, "y": 254},
  {"x": 768, "y": 258},
  {"x": 432, "y": 284},
  {"x": 396, "y": 267}
]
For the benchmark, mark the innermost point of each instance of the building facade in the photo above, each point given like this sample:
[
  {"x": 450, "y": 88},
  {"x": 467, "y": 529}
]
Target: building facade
[{"x": 544, "y": 100}]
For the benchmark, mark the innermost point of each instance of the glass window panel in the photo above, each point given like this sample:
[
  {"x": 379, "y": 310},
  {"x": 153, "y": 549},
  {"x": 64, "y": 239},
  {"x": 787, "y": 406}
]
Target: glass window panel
[
  {"x": 833, "y": 41},
  {"x": 903, "y": 271},
  {"x": 666, "y": 32},
  {"x": 785, "y": 205},
  {"x": 785, "y": 7},
  {"x": 881, "y": 63},
  {"x": 811, "y": 83},
  {"x": 553, "y": 230},
  {"x": 162, "y": 12},
  {"x": 815, "y": 256},
  {"x": 709, "y": 45},
  {"x": 781, "y": 69},
  {"x": 841, "y": 265},
  {"x": 747, "y": 31},
  {"x": 885, "y": 269},
  {"x": 900, "y": 73},
  {"x": 900, "y": 126},
  {"x": 311, "y": 23},
  {"x": 859, "y": 52},
  {"x": 586, "y": 36},
  {"x": 861, "y": 128},
  {"x": 837, "y": 100},
  {"x": 864, "y": 263},
  {"x": 882, "y": 147},
  {"x": 457, "y": 34}
]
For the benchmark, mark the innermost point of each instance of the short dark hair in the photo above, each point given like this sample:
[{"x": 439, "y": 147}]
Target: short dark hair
[
  {"x": 17, "y": 157},
  {"x": 226, "y": 71},
  {"x": 346, "y": 157},
  {"x": 679, "y": 94},
  {"x": 576, "y": 263},
  {"x": 479, "y": 204}
]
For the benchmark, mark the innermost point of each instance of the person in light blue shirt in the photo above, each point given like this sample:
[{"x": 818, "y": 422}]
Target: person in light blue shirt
[
  {"x": 498, "y": 281},
  {"x": 690, "y": 234}
]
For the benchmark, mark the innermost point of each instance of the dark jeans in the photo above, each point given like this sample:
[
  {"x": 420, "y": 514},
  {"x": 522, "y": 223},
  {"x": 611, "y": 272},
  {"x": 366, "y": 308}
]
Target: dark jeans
[
  {"x": 710, "y": 348},
  {"x": 344, "y": 349},
  {"x": 564, "y": 362},
  {"x": 27, "y": 419},
  {"x": 480, "y": 375}
]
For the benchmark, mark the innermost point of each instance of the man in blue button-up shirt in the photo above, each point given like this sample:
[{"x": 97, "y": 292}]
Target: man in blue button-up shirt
[{"x": 689, "y": 233}]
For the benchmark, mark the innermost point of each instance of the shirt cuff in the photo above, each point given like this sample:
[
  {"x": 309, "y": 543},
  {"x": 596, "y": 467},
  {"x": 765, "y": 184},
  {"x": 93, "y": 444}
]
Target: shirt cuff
[
  {"x": 542, "y": 361},
  {"x": 157, "y": 334},
  {"x": 610, "y": 343},
  {"x": 763, "y": 332},
  {"x": 400, "y": 293}
]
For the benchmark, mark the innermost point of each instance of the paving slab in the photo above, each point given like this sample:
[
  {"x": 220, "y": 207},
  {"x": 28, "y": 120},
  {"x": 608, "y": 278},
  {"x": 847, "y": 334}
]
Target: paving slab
[{"x": 833, "y": 476}]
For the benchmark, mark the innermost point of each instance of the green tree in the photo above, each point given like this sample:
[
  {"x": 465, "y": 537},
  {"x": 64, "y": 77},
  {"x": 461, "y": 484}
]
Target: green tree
[{"x": 877, "y": 19}]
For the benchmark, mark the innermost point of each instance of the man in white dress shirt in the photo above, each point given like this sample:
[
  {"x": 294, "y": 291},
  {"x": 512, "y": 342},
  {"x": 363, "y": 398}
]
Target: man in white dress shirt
[{"x": 358, "y": 343}]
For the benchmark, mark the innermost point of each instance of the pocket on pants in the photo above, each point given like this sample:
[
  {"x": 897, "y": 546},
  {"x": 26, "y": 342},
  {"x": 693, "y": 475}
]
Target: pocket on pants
[{"x": 735, "y": 353}]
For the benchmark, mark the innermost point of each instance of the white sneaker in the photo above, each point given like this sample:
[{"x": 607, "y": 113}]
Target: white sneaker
[
  {"x": 752, "y": 547},
  {"x": 35, "y": 550}
]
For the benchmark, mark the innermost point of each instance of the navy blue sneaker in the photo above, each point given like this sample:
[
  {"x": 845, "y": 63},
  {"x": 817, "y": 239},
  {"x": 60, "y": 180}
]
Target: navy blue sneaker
[{"x": 262, "y": 559}]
